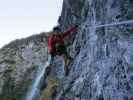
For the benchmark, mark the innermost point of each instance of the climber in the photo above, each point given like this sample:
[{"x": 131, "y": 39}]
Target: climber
[{"x": 56, "y": 45}]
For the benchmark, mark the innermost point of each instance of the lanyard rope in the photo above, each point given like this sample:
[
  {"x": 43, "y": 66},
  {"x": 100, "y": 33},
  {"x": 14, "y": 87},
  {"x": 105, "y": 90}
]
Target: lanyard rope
[{"x": 114, "y": 24}]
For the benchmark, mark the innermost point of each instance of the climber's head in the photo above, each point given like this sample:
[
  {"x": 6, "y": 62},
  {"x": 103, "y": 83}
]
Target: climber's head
[{"x": 57, "y": 29}]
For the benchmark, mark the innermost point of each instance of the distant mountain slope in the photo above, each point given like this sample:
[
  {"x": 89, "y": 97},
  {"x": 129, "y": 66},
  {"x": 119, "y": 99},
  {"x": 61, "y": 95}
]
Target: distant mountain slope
[{"x": 18, "y": 63}]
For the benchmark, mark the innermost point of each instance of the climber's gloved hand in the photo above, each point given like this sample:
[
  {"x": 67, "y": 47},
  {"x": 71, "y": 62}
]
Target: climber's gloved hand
[{"x": 76, "y": 26}]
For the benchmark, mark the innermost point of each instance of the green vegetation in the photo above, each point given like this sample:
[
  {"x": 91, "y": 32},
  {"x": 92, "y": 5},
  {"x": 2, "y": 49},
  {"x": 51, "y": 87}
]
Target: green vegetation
[
  {"x": 52, "y": 84},
  {"x": 33, "y": 66},
  {"x": 10, "y": 92}
]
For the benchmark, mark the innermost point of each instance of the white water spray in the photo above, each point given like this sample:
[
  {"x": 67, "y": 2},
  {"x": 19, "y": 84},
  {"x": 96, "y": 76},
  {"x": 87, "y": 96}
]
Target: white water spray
[
  {"x": 115, "y": 24},
  {"x": 34, "y": 90}
]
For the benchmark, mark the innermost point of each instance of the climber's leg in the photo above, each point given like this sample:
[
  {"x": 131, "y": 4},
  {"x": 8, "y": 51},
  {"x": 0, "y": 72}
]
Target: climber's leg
[
  {"x": 67, "y": 59},
  {"x": 66, "y": 63}
]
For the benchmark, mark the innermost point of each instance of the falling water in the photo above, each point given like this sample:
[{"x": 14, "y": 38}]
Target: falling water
[{"x": 34, "y": 90}]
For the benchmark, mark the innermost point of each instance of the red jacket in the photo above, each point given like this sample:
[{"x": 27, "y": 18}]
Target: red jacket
[{"x": 58, "y": 38}]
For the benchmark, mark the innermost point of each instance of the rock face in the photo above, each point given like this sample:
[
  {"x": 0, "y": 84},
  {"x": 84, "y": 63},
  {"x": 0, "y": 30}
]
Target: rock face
[{"x": 102, "y": 68}]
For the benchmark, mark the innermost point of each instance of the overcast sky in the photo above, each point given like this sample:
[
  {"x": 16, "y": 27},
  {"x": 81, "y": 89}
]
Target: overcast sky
[{"x": 22, "y": 18}]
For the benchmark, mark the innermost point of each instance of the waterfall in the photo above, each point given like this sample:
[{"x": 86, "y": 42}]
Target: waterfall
[{"x": 34, "y": 90}]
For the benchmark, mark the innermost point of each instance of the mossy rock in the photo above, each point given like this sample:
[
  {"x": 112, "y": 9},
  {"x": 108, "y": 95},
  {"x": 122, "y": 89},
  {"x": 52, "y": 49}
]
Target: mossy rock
[
  {"x": 12, "y": 67},
  {"x": 33, "y": 67},
  {"x": 9, "y": 92},
  {"x": 9, "y": 61},
  {"x": 52, "y": 84}
]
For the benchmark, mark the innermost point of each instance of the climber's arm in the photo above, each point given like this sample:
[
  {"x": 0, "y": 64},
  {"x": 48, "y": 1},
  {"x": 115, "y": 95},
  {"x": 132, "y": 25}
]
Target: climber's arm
[{"x": 72, "y": 29}]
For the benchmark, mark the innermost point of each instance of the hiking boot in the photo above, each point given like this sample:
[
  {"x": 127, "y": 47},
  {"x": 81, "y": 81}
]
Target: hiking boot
[
  {"x": 67, "y": 66},
  {"x": 66, "y": 72}
]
